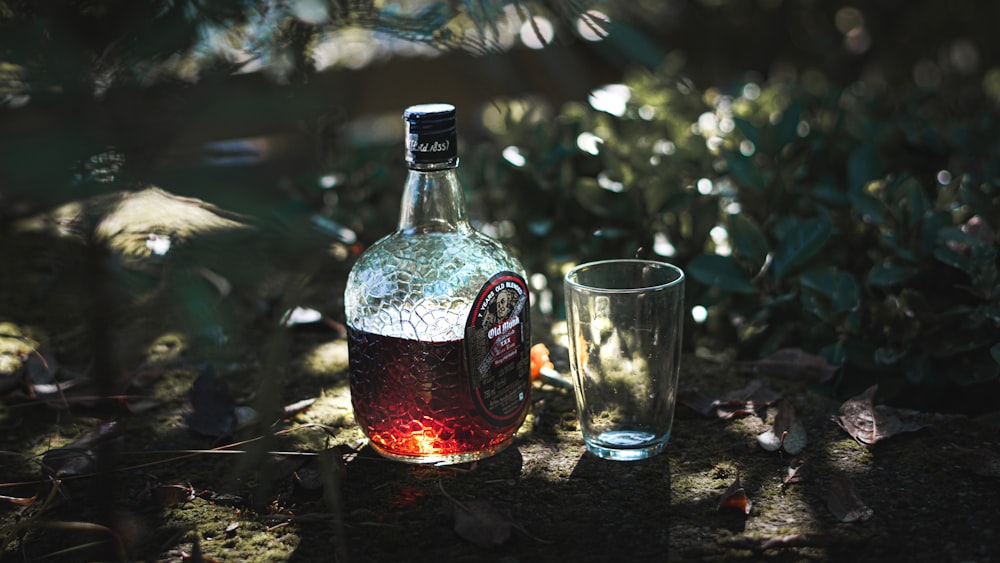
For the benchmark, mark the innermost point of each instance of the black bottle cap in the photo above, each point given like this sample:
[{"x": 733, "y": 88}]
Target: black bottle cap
[{"x": 430, "y": 135}]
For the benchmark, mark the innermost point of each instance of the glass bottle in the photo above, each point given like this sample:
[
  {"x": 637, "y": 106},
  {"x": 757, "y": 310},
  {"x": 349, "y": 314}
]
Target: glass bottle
[{"x": 437, "y": 316}]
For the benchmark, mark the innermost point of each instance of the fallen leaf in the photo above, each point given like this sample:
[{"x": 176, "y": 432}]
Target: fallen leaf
[
  {"x": 166, "y": 495},
  {"x": 787, "y": 433},
  {"x": 795, "y": 363},
  {"x": 698, "y": 402},
  {"x": 754, "y": 392},
  {"x": 213, "y": 409},
  {"x": 794, "y": 472},
  {"x": 481, "y": 524},
  {"x": 859, "y": 418},
  {"x": 735, "y": 498},
  {"x": 742, "y": 402},
  {"x": 79, "y": 457},
  {"x": 843, "y": 500},
  {"x": 298, "y": 407}
]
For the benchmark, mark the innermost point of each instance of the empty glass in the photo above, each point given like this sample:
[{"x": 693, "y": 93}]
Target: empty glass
[{"x": 625, "y": 319}]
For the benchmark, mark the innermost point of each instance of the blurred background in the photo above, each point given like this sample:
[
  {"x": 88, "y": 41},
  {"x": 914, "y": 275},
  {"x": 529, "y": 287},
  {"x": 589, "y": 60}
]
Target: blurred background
[{"x": 827, "y": 172}]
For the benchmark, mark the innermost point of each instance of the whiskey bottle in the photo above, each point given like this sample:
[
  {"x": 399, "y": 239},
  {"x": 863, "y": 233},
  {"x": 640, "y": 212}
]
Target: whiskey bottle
[{"x": 438, "y": 318}]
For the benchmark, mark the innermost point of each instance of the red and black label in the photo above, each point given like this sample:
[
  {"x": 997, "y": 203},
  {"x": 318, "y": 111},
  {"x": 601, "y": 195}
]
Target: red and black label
[{"x": 497, "y": 348}]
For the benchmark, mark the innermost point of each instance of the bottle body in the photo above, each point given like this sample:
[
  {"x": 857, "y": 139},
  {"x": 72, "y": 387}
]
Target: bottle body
[{"x": 438, "y": 325}]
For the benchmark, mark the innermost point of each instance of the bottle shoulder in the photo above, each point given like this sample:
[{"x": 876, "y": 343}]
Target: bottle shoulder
[
  {"x": 438, "y": 250},
  {"x": 423, "y": 286}
]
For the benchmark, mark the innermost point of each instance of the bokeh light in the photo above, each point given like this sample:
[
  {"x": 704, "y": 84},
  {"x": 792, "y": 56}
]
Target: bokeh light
[
  {"x": 612, "y": 99},
  {"x": 592, "y": 25},
  {"x": 537, "y": 32}
]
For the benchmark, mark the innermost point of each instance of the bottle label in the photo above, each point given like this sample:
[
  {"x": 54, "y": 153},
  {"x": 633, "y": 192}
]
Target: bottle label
[
  {"x": 431, "y": 147},
  {"x": 497, "y": 348}
]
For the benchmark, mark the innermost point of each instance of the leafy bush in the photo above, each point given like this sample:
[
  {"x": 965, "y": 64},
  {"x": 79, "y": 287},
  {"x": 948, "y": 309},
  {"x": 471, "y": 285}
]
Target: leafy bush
[{"x": 850, "y": 223}]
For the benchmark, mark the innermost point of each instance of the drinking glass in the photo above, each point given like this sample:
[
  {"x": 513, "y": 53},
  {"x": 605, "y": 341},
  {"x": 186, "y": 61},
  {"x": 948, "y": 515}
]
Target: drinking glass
[{"x": 625, "y": 319}]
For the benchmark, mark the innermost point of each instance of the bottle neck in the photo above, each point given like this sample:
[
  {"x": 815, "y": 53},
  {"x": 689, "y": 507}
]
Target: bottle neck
[{"x": 433, "y": 201}]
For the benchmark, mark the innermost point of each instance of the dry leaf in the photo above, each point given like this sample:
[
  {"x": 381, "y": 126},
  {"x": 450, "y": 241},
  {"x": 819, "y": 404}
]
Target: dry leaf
[
  {"x": 213, "y": 409},
  {"x": 843, "y": 501},
  {"x": 795, "y": 363},
  {"x": 794, "y": 472},
  {"x": 80, "y": 457},
  {"x": 859, "y": 418},
  {"x": 746, "y": 401},
  {"x": 735, "y": 498},
  {"x": 698, "y": 402},
  {"x": 298, "y": 407},
  {"x": 167, "y": 495},
  {"x": 481, "y": 524},
  {"x": 787, "y": 433}
]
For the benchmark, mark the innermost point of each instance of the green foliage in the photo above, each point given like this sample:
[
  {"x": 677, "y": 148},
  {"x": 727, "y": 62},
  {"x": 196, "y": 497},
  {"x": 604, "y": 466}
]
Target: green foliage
[{"x": 828, "y": 222}]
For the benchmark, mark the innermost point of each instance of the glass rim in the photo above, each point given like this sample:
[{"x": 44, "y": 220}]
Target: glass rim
[{"x": 679, "y": 280}]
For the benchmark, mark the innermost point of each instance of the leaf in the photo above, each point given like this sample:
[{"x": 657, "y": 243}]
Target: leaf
[
  {"x": 917, "y": 201},
  {"x": 735, "y": 498},
  {"x": 839, "y": 287},
  {"x": 745, "y": 172},
  {"x": 796, "y": 364},
  {"x": 80, "y": 457},
  {"x": 794, "y": 473},
  {"x": 721, "y": 272},
  {"x": 871, "y": 209},
  {"x": 748, "y": 240},
  {"x": 859, "y": 418},
  {"x": 742, "y": 402},
  {"x": 843, "y": 500},
  {"x": 787, "y": 432},
  {"x": 749, "y": 130},
  {"x": 166, "y": 495},
  {"x": 786, "y": 130},
  {"x": 863, "y": 165},
  {"x": 800, "y": 243},
  {"x": 886, "y": 273},
  {"x": 698, "y": 402},
  {"x": 214, "y": 411},
  {"x": 755, "y": 395},
  {"x": 481, "y": 524}
]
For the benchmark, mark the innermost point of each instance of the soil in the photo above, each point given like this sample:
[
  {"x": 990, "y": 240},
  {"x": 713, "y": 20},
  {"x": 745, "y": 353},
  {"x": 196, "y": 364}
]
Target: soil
[
  {"x": 542, "y": 499},
  {"x": 301, "y": 485}
]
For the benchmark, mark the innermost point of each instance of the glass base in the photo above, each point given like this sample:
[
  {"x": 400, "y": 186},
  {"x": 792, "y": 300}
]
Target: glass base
[
  {"x": 626, "y": 445},
  {"x": 443, "y": 459}
]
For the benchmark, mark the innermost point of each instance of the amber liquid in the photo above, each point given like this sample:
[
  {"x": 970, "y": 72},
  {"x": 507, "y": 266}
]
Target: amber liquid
[{"x": 414, "y": 402}]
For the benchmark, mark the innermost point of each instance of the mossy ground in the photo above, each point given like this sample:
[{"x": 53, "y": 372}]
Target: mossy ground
[{"x": 556, "y": 501}]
